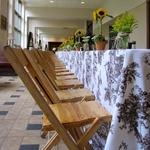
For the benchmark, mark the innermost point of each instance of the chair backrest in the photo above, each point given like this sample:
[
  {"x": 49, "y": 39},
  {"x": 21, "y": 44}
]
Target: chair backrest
[
  {"x": 42, "y": 75},
  {"x": 46, "y": 66},
  {"x": 46, "y": 56},
  {"x": 51, "y": 57},
  {"x": 31, "y": 73},
  {"x": 20, "y": 69}
]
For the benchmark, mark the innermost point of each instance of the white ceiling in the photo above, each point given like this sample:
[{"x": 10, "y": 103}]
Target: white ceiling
[
  {"x": 64, "y": 3},
  {"x": 53, "y": 31},
  {"x": 52, "y": 18}
]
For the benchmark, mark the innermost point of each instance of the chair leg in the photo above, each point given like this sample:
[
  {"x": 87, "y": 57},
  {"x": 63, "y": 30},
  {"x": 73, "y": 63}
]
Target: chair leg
[
  {"x": 87, "y": 135},
  {"x": 55, "y": 139},
  {"x": 77, "y": 134}
]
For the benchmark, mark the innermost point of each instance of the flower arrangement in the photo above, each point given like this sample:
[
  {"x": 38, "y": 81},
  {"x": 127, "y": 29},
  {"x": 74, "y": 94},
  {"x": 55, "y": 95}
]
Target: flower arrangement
[
  {"x": 98, "y": 16},
  {"x": 126, "y": 23},
  {"x": 77, "y": 45},
  {"x": 79, "y": 33},
  {"x": 67, "y": 44},
  {"x": 123, "y": 26},
  {"x": 86, "y": 39}
]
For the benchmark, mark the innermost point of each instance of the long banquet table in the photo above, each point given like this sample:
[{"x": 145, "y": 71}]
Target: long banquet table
[{"x": 120, "y": 80}]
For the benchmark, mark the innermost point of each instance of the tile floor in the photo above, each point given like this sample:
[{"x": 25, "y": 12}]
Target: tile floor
[{"x": 20, "y": 118}]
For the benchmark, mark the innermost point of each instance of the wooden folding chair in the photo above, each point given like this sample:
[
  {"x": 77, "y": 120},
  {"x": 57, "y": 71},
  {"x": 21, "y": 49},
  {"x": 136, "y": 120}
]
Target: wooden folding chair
[
  {"x": 72, "y": 95},
  {"x": 59, "y": 76},
  {"x": 54, "y": 59},
  {"x": 58, "y": 70},
  {"x": 48, "y": 91},
  {"x": 60, "y": 96},
  {"x": 37, "y": 61},
  {"x": 43, "y": 78},
  {"x": 62, "y": 116}
]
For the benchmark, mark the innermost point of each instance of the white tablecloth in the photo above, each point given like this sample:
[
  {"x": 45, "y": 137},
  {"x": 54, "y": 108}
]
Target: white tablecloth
[{"x": 120, "y": 80}]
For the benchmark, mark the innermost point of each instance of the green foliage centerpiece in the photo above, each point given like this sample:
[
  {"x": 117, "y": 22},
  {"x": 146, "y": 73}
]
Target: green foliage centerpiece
[{"x": 124, "y": 25}]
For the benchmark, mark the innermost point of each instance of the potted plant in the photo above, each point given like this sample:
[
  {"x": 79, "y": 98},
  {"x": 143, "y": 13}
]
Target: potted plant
[
  {"x": 99, "y": 39},
  {"x": 78, "y": 45},
  {"x": 78, "y": 35},
  {"x": 85, "y": 41},
  {"x": 124, "y": 26},
  {"x": 68, "y": 44}
]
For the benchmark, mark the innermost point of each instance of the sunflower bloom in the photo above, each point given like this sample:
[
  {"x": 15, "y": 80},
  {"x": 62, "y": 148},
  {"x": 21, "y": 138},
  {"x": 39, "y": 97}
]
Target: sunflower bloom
[
  {"x": 101, "y": 13},
  {"x": 79, "y": 33}
]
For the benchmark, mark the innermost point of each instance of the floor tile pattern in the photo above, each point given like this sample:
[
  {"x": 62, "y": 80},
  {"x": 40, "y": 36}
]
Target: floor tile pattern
[
  {"x": 9, "y": 103},
  {"x": 29, "y": 147},
  {"x": 20, "y": 118}
]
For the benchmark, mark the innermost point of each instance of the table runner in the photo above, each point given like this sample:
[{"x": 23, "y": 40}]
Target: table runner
[{"x": 120, "y": 80}]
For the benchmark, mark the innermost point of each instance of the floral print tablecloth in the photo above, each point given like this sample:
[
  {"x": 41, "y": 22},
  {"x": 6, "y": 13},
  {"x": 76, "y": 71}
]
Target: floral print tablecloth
[{"x": 120, "y": 80}]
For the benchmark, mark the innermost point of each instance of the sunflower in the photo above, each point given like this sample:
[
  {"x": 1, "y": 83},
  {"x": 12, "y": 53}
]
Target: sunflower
[
  {"x": 79, "y": 33},
  {"x": 101, "y": 13}
]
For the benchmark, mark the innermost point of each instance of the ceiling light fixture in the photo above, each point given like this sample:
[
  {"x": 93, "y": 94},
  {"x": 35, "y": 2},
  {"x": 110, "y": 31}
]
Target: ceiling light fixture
[
  {"x": 82, "y": 2},
  {"x": 51, "y": 1}
]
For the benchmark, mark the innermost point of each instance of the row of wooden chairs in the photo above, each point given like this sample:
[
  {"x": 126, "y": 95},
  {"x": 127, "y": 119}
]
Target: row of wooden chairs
[
  {"x": 59, "y": 94},
  {"x": 64, "y": 110}
]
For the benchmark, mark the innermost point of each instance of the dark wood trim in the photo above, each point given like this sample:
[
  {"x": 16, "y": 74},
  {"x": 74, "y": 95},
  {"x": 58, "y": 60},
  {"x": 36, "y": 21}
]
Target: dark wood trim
[{"x": 148, "y": 22}]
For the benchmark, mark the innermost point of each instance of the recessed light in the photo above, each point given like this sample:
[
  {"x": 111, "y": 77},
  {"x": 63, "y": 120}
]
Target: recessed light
[
  {"x": 82, "y": 2},
  {"x": 51, "y": 1}
]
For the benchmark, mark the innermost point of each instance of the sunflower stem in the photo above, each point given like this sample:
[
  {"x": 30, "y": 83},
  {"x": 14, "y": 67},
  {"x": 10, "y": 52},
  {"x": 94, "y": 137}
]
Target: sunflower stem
[{"x": 101, "y": 26}]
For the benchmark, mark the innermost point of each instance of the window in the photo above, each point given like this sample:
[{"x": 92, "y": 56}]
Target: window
[{"x": 17, "y": 23}]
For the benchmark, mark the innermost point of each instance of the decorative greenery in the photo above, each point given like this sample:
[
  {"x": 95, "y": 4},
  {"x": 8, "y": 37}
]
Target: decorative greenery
[
  {"x": 67, "y": 44},
  {"x": 126, "y": 23},
  {"x": 85, "y": 39},
  {"x": 77, "y": 45},
  {"x": 98, "y": 16},
  {"x": 123, "y": 26},
  {"x": 98, "y": 37}
]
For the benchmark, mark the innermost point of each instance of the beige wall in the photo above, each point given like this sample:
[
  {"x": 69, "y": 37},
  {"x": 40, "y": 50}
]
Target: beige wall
[
  {"x": 139, "y": 34},
  {"x": 3, "y": 11}
]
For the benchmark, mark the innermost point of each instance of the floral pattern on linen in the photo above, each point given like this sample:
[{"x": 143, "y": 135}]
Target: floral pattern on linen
[
  {"x": 113, "y": 70},
  {"x": 147, "y": 59},
  {"x": 134, "y": 114},
  {"x": 120, "y": 80},
  {"x": 129, "y": 74},
  {"x": 123, "y": 146}
]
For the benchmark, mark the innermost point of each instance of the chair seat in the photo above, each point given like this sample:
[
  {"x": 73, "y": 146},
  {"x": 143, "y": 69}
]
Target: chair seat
[
  {"x": 73, "y": 95},
  {"x": 60, "y": 67},
  {"x": 61, "y": 70},
  {"x": 64, "y": 73},
  {"x": 76, "y": 114},
  {"x": 68, "y": 77},
  {"x": 59, "y": 64},
  {"x": 66, "y": 84}
]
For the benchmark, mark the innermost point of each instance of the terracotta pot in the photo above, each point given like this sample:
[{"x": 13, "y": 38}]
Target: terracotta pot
[
  {"x": 77, "y": 49},
  {"x": 100, "y": 45}
]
